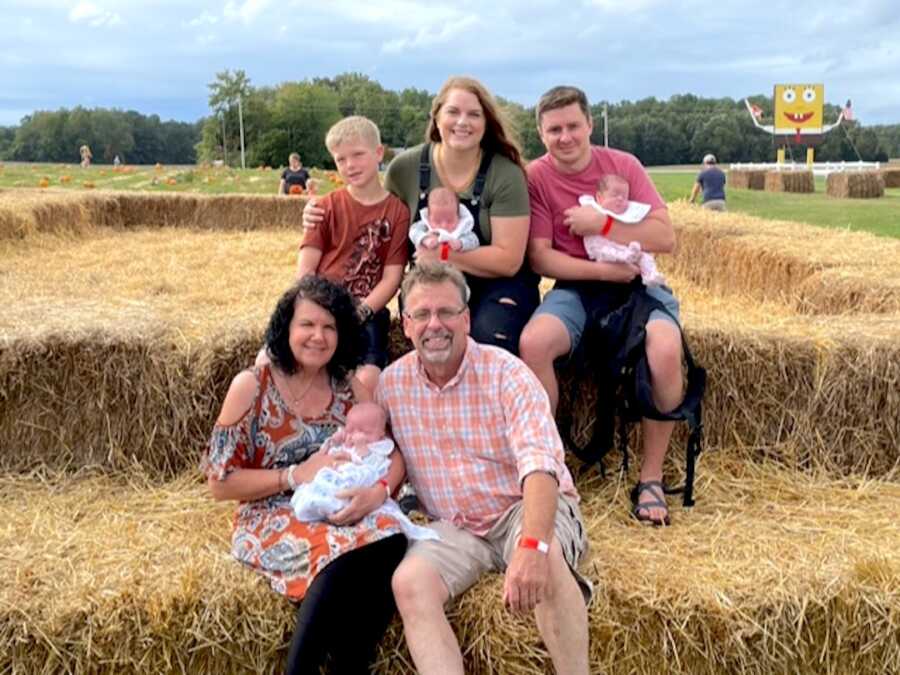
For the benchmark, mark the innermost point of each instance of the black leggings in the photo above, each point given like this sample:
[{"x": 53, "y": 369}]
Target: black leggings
[
  {"x": 501, "y": 323},
  {"x": 346, "y": 610}
]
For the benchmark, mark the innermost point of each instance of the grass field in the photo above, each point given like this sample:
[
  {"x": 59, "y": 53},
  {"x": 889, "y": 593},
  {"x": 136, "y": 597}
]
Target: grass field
[
  {"x": 193, "y": 179},
  {"x": 878, "y": 216}
]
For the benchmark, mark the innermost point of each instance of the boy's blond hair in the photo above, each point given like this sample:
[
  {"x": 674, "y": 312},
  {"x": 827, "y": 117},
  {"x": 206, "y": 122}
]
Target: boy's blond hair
[{"x": 353, "y": 128}]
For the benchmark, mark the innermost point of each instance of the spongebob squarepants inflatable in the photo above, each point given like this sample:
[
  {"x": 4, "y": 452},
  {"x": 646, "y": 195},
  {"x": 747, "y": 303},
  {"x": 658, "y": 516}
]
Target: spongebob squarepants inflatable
[{"x": 799, "y": 117}]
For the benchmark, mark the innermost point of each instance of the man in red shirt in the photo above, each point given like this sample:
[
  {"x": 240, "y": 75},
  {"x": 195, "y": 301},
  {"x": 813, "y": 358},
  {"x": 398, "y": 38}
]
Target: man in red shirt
[{"x": 571, "y": 168}]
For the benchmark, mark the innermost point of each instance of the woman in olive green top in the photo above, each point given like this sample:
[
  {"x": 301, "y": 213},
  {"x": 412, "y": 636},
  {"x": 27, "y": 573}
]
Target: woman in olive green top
[{"x": 469, "y": 150}]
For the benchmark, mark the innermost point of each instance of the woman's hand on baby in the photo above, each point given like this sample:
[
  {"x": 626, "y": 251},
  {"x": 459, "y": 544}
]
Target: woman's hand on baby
[
  {"x": 456, "y": 244},
  {"x": 312, "y": 214},
  {"x": 307, "y": 470},
  {"x": 429, "y": 241},
  {"x": 362, "y": 502}
]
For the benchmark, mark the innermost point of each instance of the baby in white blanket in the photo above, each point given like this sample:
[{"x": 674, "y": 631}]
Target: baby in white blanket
[
  {"x": 444, "y": 221},
  {"x": 612, "y": 200},
  {"x": 363, "y": 441}
]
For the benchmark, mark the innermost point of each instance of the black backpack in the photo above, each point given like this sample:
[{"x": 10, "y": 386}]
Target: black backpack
[{"x": 623, "y": 384}]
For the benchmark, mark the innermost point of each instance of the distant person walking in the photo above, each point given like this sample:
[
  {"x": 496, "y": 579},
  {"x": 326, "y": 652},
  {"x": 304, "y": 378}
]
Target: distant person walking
[
  {"x": 711, "y": 180},
  {"x": 86, "y": 156}
]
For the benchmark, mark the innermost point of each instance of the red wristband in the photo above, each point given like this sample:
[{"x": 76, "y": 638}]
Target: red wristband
[
  {"x": 536, "y": 544},
  {"x": 445, "y": 251},
  {"x": 607, "y": 226},
  {"x": 387, "y": 487}
]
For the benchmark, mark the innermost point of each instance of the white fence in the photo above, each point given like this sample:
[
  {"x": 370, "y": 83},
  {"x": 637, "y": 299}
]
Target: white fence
[{"x": 818, "y": 168}]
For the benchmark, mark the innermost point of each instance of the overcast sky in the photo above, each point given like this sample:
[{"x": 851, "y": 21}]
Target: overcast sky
[{"x": 158, "y": 57}]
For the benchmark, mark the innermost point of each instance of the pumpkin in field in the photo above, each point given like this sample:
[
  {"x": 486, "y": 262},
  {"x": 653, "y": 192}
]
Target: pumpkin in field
[
  {"x": 296, "y": 190},
  {"x": 88, "y": 184},
  {"x": 65, "y": 179},
  {"x": 44, "y": 182},
  {"x": 171, "y": 181}
]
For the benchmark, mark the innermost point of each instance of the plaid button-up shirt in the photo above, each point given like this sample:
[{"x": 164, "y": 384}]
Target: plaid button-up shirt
[{"x": 469, "y": 444}]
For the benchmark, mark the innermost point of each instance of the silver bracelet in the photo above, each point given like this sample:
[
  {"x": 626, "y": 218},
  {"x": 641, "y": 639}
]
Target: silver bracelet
[{"x": 290, "y": 477}]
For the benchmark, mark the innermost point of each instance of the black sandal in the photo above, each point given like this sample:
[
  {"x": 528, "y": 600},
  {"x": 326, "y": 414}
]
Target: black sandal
[{"x": 657, "y": 490}]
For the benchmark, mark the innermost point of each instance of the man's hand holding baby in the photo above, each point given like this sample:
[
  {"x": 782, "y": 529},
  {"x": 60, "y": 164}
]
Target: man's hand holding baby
[{"x": 584, "y": 220}]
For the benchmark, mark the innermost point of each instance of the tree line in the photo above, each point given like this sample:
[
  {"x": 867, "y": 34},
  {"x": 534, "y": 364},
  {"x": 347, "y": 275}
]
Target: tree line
[
  {"x": 294, "y": 117},
  {"x": 56, "y": 136}
]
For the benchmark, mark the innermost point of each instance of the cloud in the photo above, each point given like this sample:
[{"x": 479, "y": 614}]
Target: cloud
[
  {"x": 620, "y": 7},
  {"x": 205, "y": 19},
  {"x": 428, "y": 37},
  {"x": 247, "y": 12},
  {"x": 93, "y": 15}
]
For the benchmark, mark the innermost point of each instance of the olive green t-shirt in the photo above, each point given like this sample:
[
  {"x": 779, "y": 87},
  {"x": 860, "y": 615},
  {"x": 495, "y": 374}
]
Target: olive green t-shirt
[{"x": 505, "y": 191}]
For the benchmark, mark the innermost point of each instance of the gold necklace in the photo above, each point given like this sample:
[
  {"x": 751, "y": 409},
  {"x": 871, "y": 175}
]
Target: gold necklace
[
  {"x": 295, "y": 399},
  {"x": 444, "y": 175}
]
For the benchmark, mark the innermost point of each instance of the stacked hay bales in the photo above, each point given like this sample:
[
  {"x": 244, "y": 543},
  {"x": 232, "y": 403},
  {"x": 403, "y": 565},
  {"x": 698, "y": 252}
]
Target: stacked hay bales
[
  {"x": 891, "y": 176},
  {"x": 790, "y": 181},
  {"x": 127, "y": 576},
  {"x": 855, "y": 185},
  {"x": 125, "y": 567},
  {"x": 745, "y": 179}
]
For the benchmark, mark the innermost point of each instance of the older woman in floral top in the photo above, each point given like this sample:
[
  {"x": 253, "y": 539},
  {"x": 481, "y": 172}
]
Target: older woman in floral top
[{"x": 267, "y": 441}]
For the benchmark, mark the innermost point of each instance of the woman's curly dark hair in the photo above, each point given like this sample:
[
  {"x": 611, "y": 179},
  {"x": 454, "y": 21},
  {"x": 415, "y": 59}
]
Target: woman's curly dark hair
[{"x": 331, "y": 297}]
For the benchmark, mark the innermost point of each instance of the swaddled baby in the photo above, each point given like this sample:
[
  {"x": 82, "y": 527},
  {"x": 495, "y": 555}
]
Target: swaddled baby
[
  {"x": 444, "y": 221},
  {"x": 363, "y": 440},
  {"x": 612, "y": 200}
]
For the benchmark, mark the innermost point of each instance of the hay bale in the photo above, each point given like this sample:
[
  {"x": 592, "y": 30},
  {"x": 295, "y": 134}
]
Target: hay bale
[
  {"x": 855, "y": 185},
  {"x": 141, "y": 359},
  {"x": 130, "y": 367},
  {"x": 891, "y": 176},
  {"x": 790, "y": 181},
  {"x": 745, "y": 179},
  {"x": 105, "y": 575},
  {"x": 26, "y": 213},
  {"x": 804, "y": 269}
]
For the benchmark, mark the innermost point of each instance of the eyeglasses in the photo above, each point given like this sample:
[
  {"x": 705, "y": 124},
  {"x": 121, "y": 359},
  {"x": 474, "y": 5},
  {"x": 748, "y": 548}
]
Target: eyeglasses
[{"x": 443, "y": 314}]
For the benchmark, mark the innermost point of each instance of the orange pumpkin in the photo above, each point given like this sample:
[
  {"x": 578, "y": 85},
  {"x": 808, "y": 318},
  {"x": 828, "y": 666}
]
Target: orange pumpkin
[
  {"x": 44, "y": 182},
  {"x": 88, "y": 184},
  {"x": 296, "y": 190}
]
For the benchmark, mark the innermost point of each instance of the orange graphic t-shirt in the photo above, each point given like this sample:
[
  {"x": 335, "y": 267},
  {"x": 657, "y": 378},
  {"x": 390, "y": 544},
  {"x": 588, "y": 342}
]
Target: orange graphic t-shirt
[{"x": 358, "y": 240}]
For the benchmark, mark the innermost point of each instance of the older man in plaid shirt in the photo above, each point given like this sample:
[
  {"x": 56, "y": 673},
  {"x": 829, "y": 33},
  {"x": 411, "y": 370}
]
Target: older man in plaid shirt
[{"x": 483, "y": 453}]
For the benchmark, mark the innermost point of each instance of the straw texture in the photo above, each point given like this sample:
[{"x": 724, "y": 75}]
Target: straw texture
[
  {"x": 122, "y": 322},
  {"x": 858, "y": 185},
  {"x": 117, "y": 575},
  {"x": 746, "y": 179},
  {"x": 790, "y": 181}
]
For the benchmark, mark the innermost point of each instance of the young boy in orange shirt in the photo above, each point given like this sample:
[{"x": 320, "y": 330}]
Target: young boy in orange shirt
[{"x": 362, "y": 240}]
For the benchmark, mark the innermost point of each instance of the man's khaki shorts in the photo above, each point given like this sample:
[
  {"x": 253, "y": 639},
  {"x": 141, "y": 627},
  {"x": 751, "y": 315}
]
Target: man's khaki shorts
[{"x": 462, "y": 557}]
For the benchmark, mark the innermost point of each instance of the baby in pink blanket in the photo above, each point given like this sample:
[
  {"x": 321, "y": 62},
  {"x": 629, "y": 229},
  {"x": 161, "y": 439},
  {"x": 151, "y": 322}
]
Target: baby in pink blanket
[{"x": 612, "y": 199}]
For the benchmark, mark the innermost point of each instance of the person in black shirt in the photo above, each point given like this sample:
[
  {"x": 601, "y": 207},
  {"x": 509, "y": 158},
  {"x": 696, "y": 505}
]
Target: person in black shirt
[{"x": 295, "y": 174}]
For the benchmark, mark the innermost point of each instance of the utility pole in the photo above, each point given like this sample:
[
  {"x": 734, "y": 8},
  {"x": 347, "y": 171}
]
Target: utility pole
[
  {"x": 605, "y": 126},
  {"x": 224, "y": 142},
  {"x": 241, "y": 122}
]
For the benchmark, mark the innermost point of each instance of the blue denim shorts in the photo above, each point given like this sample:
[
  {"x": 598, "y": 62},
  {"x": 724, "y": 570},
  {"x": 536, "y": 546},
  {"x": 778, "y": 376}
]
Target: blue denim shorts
[{"x": 565, "y": 305}]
